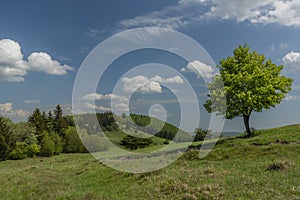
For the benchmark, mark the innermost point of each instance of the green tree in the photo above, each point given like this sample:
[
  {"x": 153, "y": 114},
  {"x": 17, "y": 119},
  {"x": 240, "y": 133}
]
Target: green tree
[
  {"x": 7, "y": 140},
  {"x": 251, "y": 83},
  {"x": 73, "y": 142},
  {"x": 38, "y": 121},
  {"x": 59, "y": 122},
  {"x": 47, "y": 145}
]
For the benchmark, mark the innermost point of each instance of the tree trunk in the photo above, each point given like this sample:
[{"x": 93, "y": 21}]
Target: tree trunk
[{"x": 247, "y": 126}]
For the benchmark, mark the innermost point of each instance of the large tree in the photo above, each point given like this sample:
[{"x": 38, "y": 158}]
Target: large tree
[
  {"x": 251, "y": 83},
  {"x": 7, "y": 140}
]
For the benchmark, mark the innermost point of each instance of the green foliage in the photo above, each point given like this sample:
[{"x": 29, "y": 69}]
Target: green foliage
[
  {"x": 38, "y": 121},
  {"x": 59, "y": 122},
  {"x": 58, "y": 145},
  {"x": 19, "y": 152},
  {"x": 251, "y": 83},
  {"x": 32, "y": 150},
  {"x": 23, "y": 150},
  {"x": 47, "y": 145},
  {"x": 132, "y": 142},
  {"x": 166, "y": 142},
  {"x": 107, "y": 121},
  {"x": 200, "y": 134},
  {"x": 7, "y": 140},
  {"x": 159, "y": 128},
  {"x": 73, "y": 142}
]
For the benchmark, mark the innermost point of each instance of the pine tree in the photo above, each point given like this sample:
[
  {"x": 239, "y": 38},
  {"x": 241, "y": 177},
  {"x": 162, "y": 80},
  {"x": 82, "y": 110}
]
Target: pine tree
[
  {"x": 7, "y": 141},
  {"x": 59, "y": 122}
]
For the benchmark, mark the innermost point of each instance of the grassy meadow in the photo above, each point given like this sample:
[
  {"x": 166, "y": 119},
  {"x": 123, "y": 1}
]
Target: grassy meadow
[{"x": 265, "y": 166}]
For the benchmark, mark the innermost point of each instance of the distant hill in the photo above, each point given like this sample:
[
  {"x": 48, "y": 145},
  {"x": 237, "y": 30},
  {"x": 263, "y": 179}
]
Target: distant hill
[{"x": 115, "y": 126}]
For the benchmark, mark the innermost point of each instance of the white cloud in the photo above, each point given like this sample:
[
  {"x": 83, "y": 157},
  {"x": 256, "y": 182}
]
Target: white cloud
[
  {"x": 291, "y": 97},
  {"x": 151, "y": 87},
  {"x": 292, "y": 60},
  {"x": 13, "y": 67},
  {"x": 96, "y": 96},
  {"x": 200, "y": 69},
  {"x": 259, "y": 11},
  {"x": 42, "y": 62},
  {"x": 6, "y": 107},
  {"x": 121, "y": 107},
  {"x": 100, "y": 108},
  {"x": 31, "y": 101},
  {"x": 173, "y": 17},
  {"x": 144, "y": 84},
  {"x": 6, "y": 110},
  {"x": 186, "y": 12}
]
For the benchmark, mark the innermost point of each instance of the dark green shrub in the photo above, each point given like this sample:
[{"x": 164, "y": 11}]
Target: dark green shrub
[
  {"x": 132, "y": 143},
  {"x": 166, "y": 142}
]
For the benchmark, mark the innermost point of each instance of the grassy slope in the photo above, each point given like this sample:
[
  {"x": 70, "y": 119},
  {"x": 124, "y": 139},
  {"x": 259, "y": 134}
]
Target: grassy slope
[{"x": 235, "y": 169}]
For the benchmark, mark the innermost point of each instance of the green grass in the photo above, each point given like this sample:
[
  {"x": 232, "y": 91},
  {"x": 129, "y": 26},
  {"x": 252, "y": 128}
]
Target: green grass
[{"x": 237, "y": 168}]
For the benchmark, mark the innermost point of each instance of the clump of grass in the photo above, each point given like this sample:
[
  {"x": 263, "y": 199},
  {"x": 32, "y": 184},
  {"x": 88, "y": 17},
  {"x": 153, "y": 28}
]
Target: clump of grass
[
  {"x": 191, "y": 155},
  {"x": 280, "y": 165}
]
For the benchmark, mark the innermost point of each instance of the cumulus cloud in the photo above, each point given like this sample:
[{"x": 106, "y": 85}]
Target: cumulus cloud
[
  {"x": 96, "y": 96},
  {"x": 42, "y": 62},
  {"x": 199, "y": 68},
  {"x": 292, "y": 60},
  {"x": 121, "y": 107},
  {"x": 146, "y": 85},
  {"x": 258, "y": 11},
  {"x": 6, "y": 110},
  {"x": 6, "y": 107},
  {"x": 13, "y": 66},
  {"x": 100, "y": 108},
  {"x": 187, "y": 12}
]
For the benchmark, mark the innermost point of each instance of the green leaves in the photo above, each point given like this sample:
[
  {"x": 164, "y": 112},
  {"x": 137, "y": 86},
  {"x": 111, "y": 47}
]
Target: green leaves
[{"x": 251, "y": 83}]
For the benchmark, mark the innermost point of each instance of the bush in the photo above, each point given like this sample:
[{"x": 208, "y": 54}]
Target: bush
[
  {"x": 166, "y": 141},
  {"x": 47, "y": 145},
  {"x": 132, "y": 143},
  {"x": 58, "y": 146},
  {"x": 24, "y": 150},
  {"x": 200, "y": 134},
  {"x": 32, "y": 150},
  {"x": 19, "y": 152}
]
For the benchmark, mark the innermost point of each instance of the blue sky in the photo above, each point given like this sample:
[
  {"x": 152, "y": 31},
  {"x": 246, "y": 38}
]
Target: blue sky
[{"x": 43, "y": 43}]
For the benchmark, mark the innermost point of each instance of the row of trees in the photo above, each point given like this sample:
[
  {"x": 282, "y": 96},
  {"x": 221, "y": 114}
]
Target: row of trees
[{"x": 43, "y": 134}]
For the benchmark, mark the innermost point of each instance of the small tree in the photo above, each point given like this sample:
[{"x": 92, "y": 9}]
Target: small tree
[{"x": 251, "y": 83}]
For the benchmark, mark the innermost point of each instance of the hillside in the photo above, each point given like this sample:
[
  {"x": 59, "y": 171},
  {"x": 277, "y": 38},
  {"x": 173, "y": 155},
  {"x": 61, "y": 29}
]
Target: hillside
[{"x": 266, "y": 166}]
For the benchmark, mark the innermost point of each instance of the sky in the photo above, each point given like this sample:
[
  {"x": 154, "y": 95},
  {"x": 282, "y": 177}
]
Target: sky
[{"x": 43, "y": 45}]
